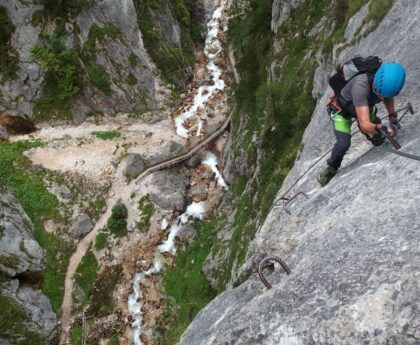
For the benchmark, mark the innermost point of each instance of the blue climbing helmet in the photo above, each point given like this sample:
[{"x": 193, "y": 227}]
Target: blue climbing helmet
[{"x": 389, "y": 79}]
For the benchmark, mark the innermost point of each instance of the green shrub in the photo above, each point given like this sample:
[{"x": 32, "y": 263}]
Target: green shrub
[
  {"x": 102, "y": 301},
  {"x": 99, "y": 78},
  {"x": 86, "y": 273},
  {"x": 131, "y": 80},
  {"x": 133, "y": 59},
  {"x": 146, "y": 209},
  {"x": 170, "y": 59},
  {"x": 101, "y": 241},
  {"x": 117, "y": 223},
  {"x": 106, "y": 135},
  {"x": 64, "y": 9},
  {"x": 62, "y": 76}
]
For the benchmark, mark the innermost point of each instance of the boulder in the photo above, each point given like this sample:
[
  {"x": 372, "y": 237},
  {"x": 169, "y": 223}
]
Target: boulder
[
  {"x": 187, "y": 233},
  {"x": 168, "y": 189},
  {"x": 134, "y": 165},
  {"x": 83, "y": 224},
  {"x": 198, "y": 193}
]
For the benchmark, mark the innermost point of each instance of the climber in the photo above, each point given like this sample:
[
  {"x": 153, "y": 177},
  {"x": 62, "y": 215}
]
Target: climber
[{"x": 355, "y": 97}]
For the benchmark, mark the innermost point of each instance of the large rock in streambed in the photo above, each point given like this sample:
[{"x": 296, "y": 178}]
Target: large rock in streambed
[
  {"x": 168, "y": 188},
  {"x": 19, "y": 251}
]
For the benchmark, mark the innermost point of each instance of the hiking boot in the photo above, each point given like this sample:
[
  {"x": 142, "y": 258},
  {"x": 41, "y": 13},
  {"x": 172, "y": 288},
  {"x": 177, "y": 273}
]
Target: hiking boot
[{"x": 326, "y": 175}]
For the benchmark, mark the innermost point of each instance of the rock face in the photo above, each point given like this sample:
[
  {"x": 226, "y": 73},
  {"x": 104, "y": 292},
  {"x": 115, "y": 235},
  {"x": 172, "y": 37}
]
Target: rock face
[
  {"x": 134, "y": 165},
  {"x": 40, "y": 316},
  {"x": 119, "y": 75},
  {"x": 19, "y": 252},
  {"x": 82, "y": 225},
  {"x": 352, "y": 246},
  {"x": 169, "y": 189},
  {"x": 19, "y": 93}
]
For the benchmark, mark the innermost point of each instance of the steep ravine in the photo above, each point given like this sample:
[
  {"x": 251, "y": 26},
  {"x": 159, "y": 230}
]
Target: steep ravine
[
  {"x": 107, "y": 153},
  {"x": 353, "y": 245}
]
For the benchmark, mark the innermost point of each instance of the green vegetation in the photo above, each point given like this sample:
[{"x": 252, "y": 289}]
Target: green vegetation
[
  {"x": 117, "y": 223},
  {"x": 185, "y": 285},
  {"x": 275, "y": 108},
  {"x": 9, "y": 59},
  {"x": 9, "y": 261},
  {"x": 169, "y": 58},
  {"x": 131, "y": 80},
  {"x": 146, "y": 209},
  {"x": 62, "y": 77},
  {"x": 377, "y": 11},
  {"x": 107, "y": 135},
  {"x": 102, "y": 301},
  {"x": 12, "y": 319},
  {"x": 101, "y": 240},
  {"x": 28, "y": 186},
  {"x": 97, "y": 74},
  {"x": 86, "y": 273},
  {"x": 64, "y": 9},
  {"x": 97, "y": 206},
  {"x": 76, "y": 335},
  {"x": 64, "y": 67},
  {"x": 133, "y": 59}
]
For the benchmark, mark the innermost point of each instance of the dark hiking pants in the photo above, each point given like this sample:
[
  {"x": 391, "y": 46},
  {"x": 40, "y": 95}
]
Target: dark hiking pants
[{"x": 342, "y": 130}]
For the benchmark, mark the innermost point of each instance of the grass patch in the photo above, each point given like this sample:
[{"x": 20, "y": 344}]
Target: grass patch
[
  {"x": 76, "y": 335},
  {"x": 107, "y": 135},
  {"x": 86, "y": 273},
  {"x": 185, "y": 285},
  {"x": 101, "y": 241},
  {"x": 102, "y": 301},
  {"x": 28, "y": 186},
  {"x": 378, "y": 10},
  {"x": 146, "y": 209},
  {"x": 117, "y": 223}
]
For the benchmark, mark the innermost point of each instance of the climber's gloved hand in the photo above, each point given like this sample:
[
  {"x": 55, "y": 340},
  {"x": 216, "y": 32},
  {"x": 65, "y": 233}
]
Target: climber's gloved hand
[{"x": 378, "y": 138}]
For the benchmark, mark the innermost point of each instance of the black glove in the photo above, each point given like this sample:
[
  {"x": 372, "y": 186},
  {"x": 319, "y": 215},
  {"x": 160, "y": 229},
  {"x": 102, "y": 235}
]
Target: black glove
[{"x": 378, "y": 138}]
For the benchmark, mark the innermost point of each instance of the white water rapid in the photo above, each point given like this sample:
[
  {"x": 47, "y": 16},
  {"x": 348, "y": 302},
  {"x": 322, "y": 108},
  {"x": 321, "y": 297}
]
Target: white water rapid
[
  {"x": 196, "y": 210},
  {"x": 213, "y": 48}
]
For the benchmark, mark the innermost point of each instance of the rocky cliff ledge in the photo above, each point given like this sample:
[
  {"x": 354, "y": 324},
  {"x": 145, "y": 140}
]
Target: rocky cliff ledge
[{"x": 352, "y": 246}]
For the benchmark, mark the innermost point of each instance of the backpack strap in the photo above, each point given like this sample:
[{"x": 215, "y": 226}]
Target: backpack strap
[{"x": 347, "y": 106}]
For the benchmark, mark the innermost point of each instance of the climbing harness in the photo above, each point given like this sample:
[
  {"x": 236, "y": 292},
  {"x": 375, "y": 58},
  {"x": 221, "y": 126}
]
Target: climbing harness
[{"x": 263, "y": 263}]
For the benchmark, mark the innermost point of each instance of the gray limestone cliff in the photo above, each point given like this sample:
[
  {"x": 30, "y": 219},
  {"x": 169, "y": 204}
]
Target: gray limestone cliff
[
  {"x": 20, "y": 254},
  {"x": 19, "y": 251},
  {"x": 94, "y": 56},
  {"x": 353, "y": 245}
]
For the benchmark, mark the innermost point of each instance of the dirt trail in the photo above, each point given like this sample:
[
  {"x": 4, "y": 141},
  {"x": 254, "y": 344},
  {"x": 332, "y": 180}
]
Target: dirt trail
[{"x": 121, "y": 191}]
